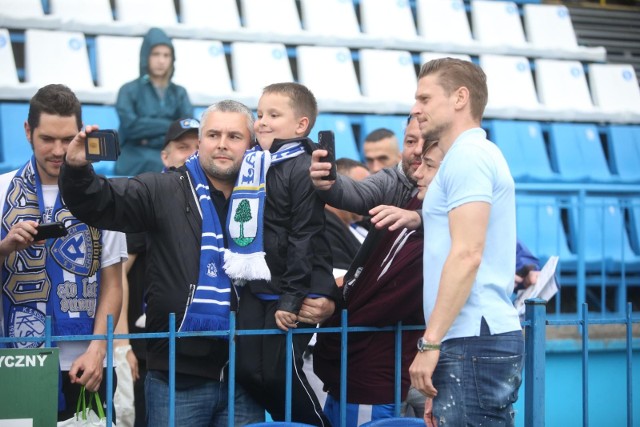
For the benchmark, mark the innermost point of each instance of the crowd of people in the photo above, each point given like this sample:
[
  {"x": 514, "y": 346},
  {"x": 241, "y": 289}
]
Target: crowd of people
[{"x": 233, "y": 213}]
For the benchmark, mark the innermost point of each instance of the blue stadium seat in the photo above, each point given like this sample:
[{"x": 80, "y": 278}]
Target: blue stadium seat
[
  {"x": 577, "y": 153},
  {"x": 634, "y": 225},
  {"x": 397, "y": 124},
  {"x": 523, "y": 146},
  {"x": 624, "y": 151},
  {"x": 106, "y": 117},
  {"x": 341, "y": 127},
  {"x": 279, "y": 424},
  {"x": 606, "y": 243},
  {"x": 539, "y": 227},
  {"x": 15, "y": 149},
  {"x": 395, "y": 422}
]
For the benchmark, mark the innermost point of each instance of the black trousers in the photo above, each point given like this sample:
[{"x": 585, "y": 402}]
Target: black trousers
[{"x": 260, "y": 364}]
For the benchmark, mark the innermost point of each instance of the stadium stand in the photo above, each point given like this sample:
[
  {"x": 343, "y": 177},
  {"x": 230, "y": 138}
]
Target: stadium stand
[
  {"x": 523, "y": 145},
  {"x": 577, "y": 153},
  {"x": 623, "y": 146},
  {"x": 605, "y": 242},
  {"x": 545, "y": 65}
]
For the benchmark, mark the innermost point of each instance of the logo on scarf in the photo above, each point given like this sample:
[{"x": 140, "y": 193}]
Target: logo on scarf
[
  {"x": 79, "y": 251},
  {"x": 212, "y": 270},
  {"x": 243, "y": 227},
  {"x": 26, "y": 322}
]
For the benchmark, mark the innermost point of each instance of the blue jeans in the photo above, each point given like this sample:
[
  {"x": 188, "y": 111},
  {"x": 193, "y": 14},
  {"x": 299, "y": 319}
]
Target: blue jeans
[
  {"x": 201, "y": 405},
  {"x": 477, "y": 379}
]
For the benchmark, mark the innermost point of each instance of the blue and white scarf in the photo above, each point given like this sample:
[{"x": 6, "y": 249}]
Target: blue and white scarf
[
  {"x": 244, "y": 259},
  {"x": 210, "y": 299},
  {"x": 59, "y": 278}
]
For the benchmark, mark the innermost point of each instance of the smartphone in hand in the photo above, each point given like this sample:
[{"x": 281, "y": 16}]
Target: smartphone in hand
[
  {"x": 327, "y": 141},
  {"x": 102, "y": 145},
  {"x": 50, "y": 230}
]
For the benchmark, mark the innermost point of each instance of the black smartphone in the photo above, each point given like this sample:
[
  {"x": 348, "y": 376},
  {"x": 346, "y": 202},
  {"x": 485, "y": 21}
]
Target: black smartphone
[
  {"x": 50, "y": 230},
  {"x": 327, "y": 141},
  {"x": 102, "y": 145}
]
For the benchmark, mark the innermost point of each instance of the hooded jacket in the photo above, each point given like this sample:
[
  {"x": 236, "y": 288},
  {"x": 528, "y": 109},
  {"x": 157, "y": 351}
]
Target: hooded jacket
[{"x": 144, "y": 116}]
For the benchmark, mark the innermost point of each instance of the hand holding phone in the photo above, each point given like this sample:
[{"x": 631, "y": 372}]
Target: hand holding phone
[
  {"x": 50, "y": 230},
  {"x": 102, "y": 145},
  {"x": 327, "y": 141}
]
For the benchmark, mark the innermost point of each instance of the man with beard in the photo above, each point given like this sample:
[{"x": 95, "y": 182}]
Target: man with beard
[
  {"x": 471, "y": 353},
  {"x": 370, "y": 287},
  {"x": 184, "y": 213}
]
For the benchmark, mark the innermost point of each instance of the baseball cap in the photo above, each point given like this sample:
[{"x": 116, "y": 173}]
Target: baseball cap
[{"x": 179, "y": 128}]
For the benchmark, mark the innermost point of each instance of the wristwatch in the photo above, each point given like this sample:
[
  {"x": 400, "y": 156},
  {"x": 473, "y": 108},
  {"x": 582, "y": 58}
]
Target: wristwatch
[{"x": 424, "y": 345}]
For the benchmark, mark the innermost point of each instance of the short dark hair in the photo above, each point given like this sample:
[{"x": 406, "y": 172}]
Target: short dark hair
[
  {"x": 379, "y": 134},
  {"x": 455, "y": 73},
  {"x": 302, "y": 100},
  {"x": 344, "y": 165},
  {"x": 55, "y": 99}
]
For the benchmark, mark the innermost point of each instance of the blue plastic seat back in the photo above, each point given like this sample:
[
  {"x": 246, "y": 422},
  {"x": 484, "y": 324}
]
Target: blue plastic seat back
[
  {"x": 576, "y": 151},
  {"x": 279, "y": 424},
  {"x": 341, "y": 127},
  {"x": 395, "y": 422},
  {"x": 624, "y": 151},
  {"x": 634, "y": 224},
  {"x": 523, "y": 145},
  {"x": 15, "y": 149},
  {"x": 605, "y": 236},
  {"x": 539, "y": 227}
]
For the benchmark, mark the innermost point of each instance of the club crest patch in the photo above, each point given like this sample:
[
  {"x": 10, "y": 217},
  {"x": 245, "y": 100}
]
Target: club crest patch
[
  {"x": 26, "y": 321},
  {"x": 79, "y": 251},
  {"x": 243, "y": 226}
]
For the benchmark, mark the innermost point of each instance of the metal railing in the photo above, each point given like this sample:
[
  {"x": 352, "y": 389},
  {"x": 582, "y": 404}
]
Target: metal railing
[{"x": 534, "y": 326}]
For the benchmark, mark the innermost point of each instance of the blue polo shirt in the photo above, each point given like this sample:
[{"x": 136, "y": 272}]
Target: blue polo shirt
[{"x": 473, "y": 170}]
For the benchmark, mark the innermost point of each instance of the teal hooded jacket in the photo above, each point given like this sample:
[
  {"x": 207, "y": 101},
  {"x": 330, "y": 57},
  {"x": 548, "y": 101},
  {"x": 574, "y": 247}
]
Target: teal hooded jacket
[{"x": 144, "y": 117}]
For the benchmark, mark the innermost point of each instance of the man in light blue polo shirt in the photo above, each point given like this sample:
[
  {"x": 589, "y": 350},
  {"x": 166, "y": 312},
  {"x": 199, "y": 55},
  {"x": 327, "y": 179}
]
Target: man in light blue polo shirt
[{"x": 470, "y": 357}]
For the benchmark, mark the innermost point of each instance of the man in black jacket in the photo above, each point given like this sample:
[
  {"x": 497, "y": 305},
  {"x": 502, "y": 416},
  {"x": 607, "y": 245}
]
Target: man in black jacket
[{"x": 166, "y": 206}]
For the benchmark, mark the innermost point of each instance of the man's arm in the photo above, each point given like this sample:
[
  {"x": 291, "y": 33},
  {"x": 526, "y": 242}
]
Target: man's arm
[
  {"x": 394, "y": 218},
  {"x": 120, "y": 204},
  {"x": 348, "y": 194},
  {"x": 87, "y": 369},
  {"x": 19, "y": 237},
  {"x": 468, "y": 227}
]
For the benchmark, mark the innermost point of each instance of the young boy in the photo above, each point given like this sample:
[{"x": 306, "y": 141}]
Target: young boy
[{"x": 290, "y": 221}]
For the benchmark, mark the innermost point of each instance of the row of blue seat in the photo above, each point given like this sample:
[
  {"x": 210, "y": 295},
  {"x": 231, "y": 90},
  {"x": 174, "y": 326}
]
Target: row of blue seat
[
  {"x": 610, "y": 243},
  {"x": 575, "y": 152}
]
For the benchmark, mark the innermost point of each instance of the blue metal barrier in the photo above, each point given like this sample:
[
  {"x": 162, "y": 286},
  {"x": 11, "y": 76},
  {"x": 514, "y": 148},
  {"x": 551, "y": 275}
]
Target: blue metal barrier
[{"x": 534, "y": 370}]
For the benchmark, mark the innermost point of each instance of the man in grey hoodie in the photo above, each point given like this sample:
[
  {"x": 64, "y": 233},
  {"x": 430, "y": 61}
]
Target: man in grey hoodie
[{"x": 147, "y": 105}]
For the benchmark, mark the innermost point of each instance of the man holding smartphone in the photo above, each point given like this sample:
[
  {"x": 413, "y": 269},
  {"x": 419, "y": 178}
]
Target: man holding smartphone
[{"x": 75, "y": 278}]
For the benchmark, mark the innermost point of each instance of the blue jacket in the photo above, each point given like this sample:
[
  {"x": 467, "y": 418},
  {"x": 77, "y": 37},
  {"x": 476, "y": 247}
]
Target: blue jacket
[{"x": 144, "y": 117}]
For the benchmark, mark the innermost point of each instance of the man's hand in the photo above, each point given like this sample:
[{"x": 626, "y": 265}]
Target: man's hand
[
  {"x": 316, "y": 310},
  {"x": 19, "y": 237},
  {"x": 285, "y": 320},
  {"x": 87, "y": 369},
  {"x": 319, "y": 169},
  {"x": 76, "y": 155},
  {"x": 429, "y": 419},
  {"x": 421, "y": 371},
  {"x": 133, "y": 364},
  {"x": 394, "y": 218}
]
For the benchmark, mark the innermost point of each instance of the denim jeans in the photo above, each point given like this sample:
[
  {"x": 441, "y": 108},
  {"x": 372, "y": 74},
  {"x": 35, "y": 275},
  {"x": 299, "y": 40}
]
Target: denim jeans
[
  {"x": 202, "y": 405},
  {"x": 477, "y": 379}
]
